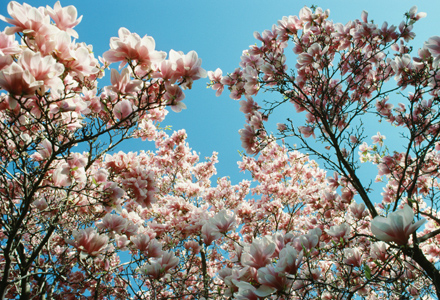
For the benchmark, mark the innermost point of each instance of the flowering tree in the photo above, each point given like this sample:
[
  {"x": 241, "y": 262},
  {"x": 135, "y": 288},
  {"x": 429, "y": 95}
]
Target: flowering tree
[
  {"x": 102, "y": 224},
  {"x": 340, "y": 79},
  {"x": 59, "y": 238}
]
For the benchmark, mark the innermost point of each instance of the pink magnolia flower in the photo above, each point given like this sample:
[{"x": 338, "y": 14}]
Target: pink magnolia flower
[
  {"x": 147, "y": 130},
  {"x": 412, "y": 14},
  {"x": 61, "y": 175},
  {"x": 384, "y": 108},
  {"x": 141, "y": 241},
  {"x": 339, "y": 231},
  {"x": 357, "y": 209},
  {"x": 281, "y": 127},
  {"x": 378, "y": 139},
  {"x": 122, "y": 83},
  {"x": 248, "y": 139},
  {"x": 311, "y": 57},
  {"x": 145, "y": 244},
  {"x": 210, "y": 233},
  {"x": 405, "y": 31},
  {"x": 8, "y": 44},
  {"x": 154, "y": 248},
  {"x": 333, "y": 181},
  {"x": 130, "y": 46},
  {"x": 166, "y": 70},
  {"x": 65, "y": 17},
  {"x": 77, "y": 162},
  {"x": 82, "y": 61},
  {"x": 378, "y": 251},
  {"x": 247, "y": 291},
  {"x": 224, "y": 221},
  {"x": 114, "y": 223},
  {"x": 256, "y": 120},
  {"x": 28, "y": 19},
  {"x": 433, "y": 46},
  {"x": 44, "y": 69},
  {"x": 397, "y": 227},
  {"x": 113, "y": 192},
  {"x": 250, "y": 75},
  {"x": 159, "y": 266},
  {"x": 142, "y": 185},
  {"x": 61, "y": 44},
  {"x": 75, "y": 104},
  {"x": 188, "y": 67},
  {"x": 131, "y": 228},
  {"x": 18, "y": 81},
  {"x": 121, "y": 242},
  {"x": 402, "y": 65},
  {"x": 89, "y": 241},
  {"x": 259, "y": 253},
  {"x": 123, "y": 109},
  {"x": 347, "y": 195},
  {"x": 307, "y": 241},
  {"x": 44, "y": 150},
  {"x": 101, "y": 176},
  {"x": 178, "y": 107},
  {"x": 248, "y": 106},
  {"x": 307, "y": 131},
  {"x": 173, "y": 96},
  {"x": 227, "y": 275},
  {"x": 288, "y": 26},
  {"x": 289, "y": 261},
  {"x": 272, "y": 278},
  {"x": 216, "y": 78},
  {"x": 306, "y": 15},
  {"x": 364, "y": 149},
  {"x": 193, "y": 246},
  {"x": 353, "y": 257}
]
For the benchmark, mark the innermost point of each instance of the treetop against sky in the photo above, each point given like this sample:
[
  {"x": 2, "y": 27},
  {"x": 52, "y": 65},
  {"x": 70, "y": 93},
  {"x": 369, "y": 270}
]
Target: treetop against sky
[
  {"x": 218, "y": 32},
  {"x": 100, "y": 200}
]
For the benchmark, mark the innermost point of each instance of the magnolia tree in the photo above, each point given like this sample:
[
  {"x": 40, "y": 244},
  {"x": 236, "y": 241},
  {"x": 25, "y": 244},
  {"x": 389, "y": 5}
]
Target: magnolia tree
[
  {"x": 102, "y": 224},
  {"x": 340, "y": 79}
]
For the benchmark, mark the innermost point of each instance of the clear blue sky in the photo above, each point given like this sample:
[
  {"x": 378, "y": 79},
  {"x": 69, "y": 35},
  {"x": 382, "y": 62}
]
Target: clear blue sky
[{"x": 218, "y": 31}]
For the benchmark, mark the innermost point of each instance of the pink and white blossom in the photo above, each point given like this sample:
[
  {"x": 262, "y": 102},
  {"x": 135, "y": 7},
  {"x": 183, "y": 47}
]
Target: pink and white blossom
[
  {"x": 159, "y": 266},
  {"x": 18, "y": 81},
  {"x": 28, "y": 19},
  {"x": 8, "y": 45},
  {"x": 61, "y": 176},
  {"x": 378, "y": 139},
  {"x": 130, "y": 46},
  {"x": 397, "y": 226},
  {"x": 123, "y": 84},
  {"x": 341, "y": 231},
  {"x": 258, "y": 254},
  {"x": 353, "y": 257},
  {"x": 224, "y": 221},
  {"x": 215, "y": 78},
  {"x": 210, "y": 233},
  {"x": 248, "y": 139},
  {"x": 188, "y": 67},
  {"x": 89, "y": 241},
  {"x": 65, "y": 17},
  {"x": 123, "y": 109},
  {"x": 290, "y": 260}
]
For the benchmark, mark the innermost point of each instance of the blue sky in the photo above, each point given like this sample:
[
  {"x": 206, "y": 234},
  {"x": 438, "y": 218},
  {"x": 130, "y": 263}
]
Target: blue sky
[{"x": 218, "y": 31}]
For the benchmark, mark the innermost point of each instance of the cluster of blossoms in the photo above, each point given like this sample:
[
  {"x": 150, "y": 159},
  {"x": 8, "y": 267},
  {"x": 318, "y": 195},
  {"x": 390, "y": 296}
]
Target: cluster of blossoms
[
  {"x": 152, "y": 225},
  {"x": 355, "y": 52},
  {"x": 338, "y": 79},
  {"x": 67, "y": 214}
]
